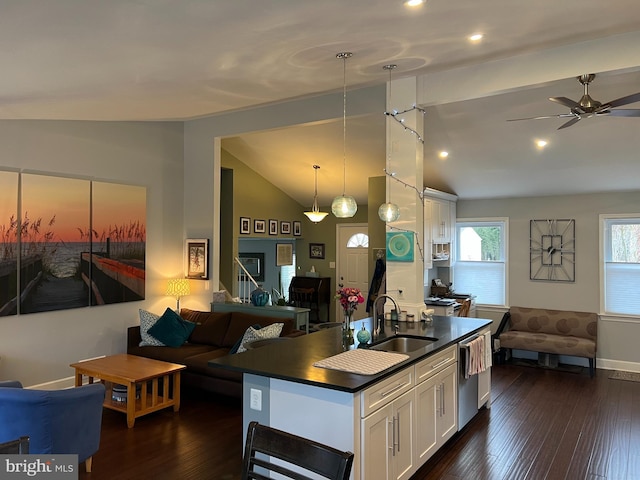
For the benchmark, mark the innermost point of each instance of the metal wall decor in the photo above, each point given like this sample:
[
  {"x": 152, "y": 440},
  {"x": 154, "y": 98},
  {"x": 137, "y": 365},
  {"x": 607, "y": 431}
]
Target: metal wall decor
[{"x": 552, "y": 250}]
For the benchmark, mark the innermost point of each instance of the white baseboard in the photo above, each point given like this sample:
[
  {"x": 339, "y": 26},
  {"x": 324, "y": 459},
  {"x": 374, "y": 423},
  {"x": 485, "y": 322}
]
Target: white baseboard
[
  {"x": 601, "y": 363},
  {"x": 59, "y": 384}
]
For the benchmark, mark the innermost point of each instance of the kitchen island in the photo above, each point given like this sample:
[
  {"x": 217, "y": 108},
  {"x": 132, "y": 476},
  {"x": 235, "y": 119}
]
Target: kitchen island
[{"x": 393, "y": 420}]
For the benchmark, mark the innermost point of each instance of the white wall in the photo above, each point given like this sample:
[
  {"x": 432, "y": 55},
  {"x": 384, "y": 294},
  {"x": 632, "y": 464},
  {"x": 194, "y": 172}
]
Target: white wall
[
  {"x": 617, "y": 338},
  {"x": 38, "y": 348}
]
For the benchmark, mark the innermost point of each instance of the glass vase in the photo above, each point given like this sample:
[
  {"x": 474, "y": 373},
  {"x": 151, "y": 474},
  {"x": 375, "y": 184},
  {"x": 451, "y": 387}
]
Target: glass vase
[{"x": 347, "y": 331}]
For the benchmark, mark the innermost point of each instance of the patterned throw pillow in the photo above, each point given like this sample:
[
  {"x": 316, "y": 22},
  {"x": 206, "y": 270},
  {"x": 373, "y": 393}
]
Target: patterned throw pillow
[
  {"x": 270, "y": 331},
  {"x": 148, "y": 320}
]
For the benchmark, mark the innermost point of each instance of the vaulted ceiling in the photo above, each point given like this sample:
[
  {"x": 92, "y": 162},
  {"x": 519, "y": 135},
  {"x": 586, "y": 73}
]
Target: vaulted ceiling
[{"x": 183, "y": 59}]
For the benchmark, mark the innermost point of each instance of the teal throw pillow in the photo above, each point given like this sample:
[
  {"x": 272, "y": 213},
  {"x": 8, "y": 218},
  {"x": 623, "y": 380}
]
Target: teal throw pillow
[{"x": 171, "y": 329}]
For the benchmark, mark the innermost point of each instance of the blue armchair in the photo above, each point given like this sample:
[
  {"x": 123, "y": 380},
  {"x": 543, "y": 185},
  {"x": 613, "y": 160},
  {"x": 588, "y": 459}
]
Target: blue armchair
[{"x": 57, "y": 421}]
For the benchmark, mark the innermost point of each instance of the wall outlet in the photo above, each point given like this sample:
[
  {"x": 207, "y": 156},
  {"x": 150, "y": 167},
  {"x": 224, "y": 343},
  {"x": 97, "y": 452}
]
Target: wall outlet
[{"x": 256, "y": 399}]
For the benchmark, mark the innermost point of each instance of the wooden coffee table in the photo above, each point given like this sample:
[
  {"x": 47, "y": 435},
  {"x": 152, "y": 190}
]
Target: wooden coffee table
[{"x": 131, "y": 371}]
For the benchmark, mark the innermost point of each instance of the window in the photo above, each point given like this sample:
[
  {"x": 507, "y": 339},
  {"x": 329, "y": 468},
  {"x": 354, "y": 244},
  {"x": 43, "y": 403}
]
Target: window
[
  {"x": 481, "y": 259},
  {"x": 358, "y": 240},
  {"x": 621, "y": 263}
]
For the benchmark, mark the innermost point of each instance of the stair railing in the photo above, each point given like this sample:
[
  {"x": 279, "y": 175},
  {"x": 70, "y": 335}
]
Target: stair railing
[{"x": 244, "y": 283}]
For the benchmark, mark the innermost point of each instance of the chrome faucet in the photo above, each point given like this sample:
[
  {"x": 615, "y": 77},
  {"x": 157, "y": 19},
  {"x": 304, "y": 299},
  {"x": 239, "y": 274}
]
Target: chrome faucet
[{"x": 379, "y": 322}]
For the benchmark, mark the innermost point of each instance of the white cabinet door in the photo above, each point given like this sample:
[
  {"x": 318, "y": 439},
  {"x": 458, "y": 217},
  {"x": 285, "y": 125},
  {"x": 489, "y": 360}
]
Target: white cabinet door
[
  {"x": 404, "y": 463},
  {"x": 447, "y": 417},
  {"x": 441, "y": 221},
  {"x": 426, "y": 429},
  {"x": 388, "y": 440},
  {"x": 377, "y": 444}
]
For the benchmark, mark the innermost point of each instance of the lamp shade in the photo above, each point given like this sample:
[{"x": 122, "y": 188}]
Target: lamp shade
[
  {"x": 316, "y": 216},
  {"x": 344, "y": 206},
  {"x": 389, "y": 212},
  {"x": 178, "y": 287}
]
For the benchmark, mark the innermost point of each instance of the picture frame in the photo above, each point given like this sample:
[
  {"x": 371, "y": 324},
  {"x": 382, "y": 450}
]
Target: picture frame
[
  {"x": 285, "y": 228},
  {"x": 245, "y": 225},
  {"x": 197, "y": 258},
  {"x": 316, "y": 250},
  {"x": 254, "y": 264},
  {"x": 259, "y": 226},
  {"x": 273, "y": 227},
  {"x": 297, "y": 229},
  {"x": 284, "y": 254}
]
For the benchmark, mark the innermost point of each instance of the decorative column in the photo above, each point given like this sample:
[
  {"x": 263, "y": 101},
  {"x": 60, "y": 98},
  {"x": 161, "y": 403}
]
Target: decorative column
[{"x": 405, "y": 280}]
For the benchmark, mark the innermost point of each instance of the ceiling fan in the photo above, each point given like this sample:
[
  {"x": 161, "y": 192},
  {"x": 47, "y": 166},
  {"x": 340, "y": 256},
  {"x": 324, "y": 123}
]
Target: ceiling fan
[{"x": 587, "y": 107}]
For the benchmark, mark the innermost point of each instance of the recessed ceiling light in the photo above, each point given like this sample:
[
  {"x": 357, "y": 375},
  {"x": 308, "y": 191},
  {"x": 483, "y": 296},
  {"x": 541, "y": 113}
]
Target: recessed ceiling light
[
  {"x": 443, "y": 154},
  {"x": 541, "y": 143},
  {"x": 414, "y": 3},
  {"x": 476, "y": 37}
]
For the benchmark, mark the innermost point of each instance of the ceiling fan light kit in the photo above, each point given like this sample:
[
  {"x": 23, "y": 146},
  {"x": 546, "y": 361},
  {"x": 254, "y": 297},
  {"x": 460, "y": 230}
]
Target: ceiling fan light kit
[
  {"x": 587, "y": 107},
  {"x": 344, "y": 206}
]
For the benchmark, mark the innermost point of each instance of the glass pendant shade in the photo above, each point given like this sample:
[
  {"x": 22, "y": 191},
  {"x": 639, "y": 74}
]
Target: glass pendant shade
[
  {"x": 389, "y": 212},
  {"x": 315, "y": 215},
  {"x": 344, "y": 206}
]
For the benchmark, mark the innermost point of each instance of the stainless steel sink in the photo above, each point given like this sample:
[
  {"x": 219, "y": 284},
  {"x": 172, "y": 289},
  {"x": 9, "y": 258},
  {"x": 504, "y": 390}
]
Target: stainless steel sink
[{"x": 403, "y": 343}]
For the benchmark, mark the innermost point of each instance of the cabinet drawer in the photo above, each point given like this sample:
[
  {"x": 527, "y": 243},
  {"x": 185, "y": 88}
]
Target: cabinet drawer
[
  {"x": 386, "y": 391},
  {"x": 432, "y": 365}
]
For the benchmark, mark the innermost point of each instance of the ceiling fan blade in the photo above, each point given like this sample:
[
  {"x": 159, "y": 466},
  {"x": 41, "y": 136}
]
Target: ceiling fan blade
[
  {"x": 624, "y": 100},
  {"x": 561, "y": 115},
  {"x": 573, "y": 121},
  {"x": 625, "y": 112},
  {"x": 567, "y": 102}
]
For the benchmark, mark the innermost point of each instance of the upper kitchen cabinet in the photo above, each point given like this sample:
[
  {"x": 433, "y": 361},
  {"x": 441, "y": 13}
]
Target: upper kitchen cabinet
[{"x": 439, "y": 224}]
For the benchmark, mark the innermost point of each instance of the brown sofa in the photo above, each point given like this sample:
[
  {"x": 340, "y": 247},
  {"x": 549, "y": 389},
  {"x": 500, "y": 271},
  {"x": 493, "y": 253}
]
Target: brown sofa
[
  {"x": 551, "y": 331},
  {"x": 214, "y": 336}
]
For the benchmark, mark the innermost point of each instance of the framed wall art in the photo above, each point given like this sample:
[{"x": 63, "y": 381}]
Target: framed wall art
[
  {"x": 285, "y": 228},
  {"x": 297, "y": 229},
  {"x": 316, "y": 250},
  {"x": 245, "y": 225},
  {"x": 273, "y": 227},
  {"x": 399, "y": 246},
  {"x": 552, "y": 250},
  {"x": 284, "y": 254},
  {"x": 197, "y": 254},
  {"x": 259, "y": 226}
]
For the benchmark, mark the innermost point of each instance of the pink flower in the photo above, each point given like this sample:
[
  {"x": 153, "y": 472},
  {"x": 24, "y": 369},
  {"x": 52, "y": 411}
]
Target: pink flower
[{"x": 349, "y": 298}]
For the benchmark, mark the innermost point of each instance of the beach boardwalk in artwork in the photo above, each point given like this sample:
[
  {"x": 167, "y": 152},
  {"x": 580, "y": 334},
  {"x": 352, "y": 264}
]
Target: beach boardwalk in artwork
[{"x": 81, "y": 243}]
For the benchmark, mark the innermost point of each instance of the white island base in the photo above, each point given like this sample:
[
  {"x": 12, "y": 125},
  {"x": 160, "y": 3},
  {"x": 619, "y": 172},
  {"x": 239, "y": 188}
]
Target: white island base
[{"x": 393, "y": 427}]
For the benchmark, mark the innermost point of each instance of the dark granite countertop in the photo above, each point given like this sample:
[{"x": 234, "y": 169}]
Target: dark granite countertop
[{"x": 293, "y": 360}]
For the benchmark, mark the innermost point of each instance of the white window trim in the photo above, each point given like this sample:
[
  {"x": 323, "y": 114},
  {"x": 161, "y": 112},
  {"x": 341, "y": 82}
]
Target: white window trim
[{"x": 613, "y": 317}]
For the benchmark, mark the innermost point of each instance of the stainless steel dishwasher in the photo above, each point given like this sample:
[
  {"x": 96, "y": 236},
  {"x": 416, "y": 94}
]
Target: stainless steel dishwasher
[{"x": 467, "y": 387}]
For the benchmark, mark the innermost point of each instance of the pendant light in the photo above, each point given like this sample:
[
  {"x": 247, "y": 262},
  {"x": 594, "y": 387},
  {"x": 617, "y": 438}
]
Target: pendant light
[
  {"x": 389, "y": 212},
  {"x": 315, "y": 215},
  {"x": 344, "y": 206}
]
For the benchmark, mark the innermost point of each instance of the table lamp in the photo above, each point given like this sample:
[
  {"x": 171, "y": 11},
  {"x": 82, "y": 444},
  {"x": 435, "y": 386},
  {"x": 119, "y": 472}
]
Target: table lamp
[{"x": 178, "y": 287}]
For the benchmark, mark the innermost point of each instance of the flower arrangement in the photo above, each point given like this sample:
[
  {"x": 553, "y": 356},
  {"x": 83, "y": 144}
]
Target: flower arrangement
[{"x": 349, "y": 298}]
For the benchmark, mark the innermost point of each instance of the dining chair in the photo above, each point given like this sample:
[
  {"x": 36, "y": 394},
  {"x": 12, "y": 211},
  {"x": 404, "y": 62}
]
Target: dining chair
[
  {"x": 464, "y": 309},
  {"x": 271, "y": 450}
]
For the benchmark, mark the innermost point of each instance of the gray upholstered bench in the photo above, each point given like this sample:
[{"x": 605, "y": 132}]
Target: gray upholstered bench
[{"x": 552, "y": 331}]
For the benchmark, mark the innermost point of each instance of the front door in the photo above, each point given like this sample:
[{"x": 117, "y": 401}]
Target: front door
[{"x": 352, "y": 268}]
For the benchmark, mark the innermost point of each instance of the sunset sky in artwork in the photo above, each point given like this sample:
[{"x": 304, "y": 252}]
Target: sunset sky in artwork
[{"x": 68, "y": 199}]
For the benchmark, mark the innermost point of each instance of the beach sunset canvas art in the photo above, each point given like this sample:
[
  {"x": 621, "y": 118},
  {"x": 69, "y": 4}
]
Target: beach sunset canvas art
[{"x": 81, "y": 242}]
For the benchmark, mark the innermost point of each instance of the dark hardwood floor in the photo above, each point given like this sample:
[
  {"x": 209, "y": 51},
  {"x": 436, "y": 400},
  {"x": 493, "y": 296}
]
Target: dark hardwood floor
[{"x": 543, "y": 424}]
